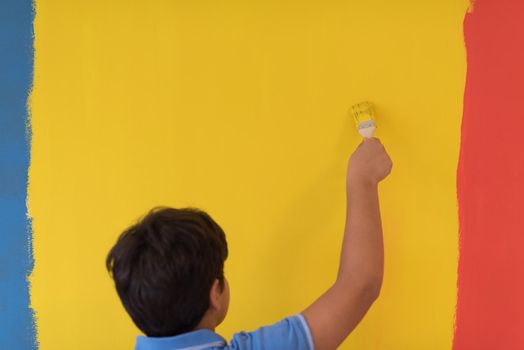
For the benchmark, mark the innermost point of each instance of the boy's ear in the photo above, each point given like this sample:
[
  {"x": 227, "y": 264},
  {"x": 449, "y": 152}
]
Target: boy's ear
[{"x": 214, "y": 295}]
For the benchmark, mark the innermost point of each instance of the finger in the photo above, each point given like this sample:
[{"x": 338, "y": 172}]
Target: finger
[{"x": 370, "y": 139}]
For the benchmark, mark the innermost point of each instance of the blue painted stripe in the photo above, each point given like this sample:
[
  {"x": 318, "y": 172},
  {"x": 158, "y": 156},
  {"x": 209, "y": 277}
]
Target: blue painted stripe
[{"x": 17, "y": 330}]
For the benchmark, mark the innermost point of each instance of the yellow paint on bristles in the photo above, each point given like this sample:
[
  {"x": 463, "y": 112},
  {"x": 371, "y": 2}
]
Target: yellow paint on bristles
[{"x": 364, "y": 115}]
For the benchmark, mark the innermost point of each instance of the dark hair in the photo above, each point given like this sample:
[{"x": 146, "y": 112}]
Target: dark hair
[{"x": 164, "y": 267}]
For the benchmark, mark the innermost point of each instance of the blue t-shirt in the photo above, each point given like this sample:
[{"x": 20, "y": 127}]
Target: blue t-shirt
[{"x": 289, "y": 334}]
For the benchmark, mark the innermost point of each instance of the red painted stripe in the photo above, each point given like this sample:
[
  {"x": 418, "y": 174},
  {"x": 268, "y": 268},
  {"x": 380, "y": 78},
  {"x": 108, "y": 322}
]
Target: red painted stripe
[{"x": 490, "y": 181}]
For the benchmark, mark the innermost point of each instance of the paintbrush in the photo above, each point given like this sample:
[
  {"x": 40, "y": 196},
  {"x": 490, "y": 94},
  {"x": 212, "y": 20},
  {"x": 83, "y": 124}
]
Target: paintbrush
[{"x": 364, "y": 115}]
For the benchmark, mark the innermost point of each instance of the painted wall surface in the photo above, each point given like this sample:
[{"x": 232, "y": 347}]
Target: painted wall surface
[
  {"x": 239, "y": 108},
  {"x": 490, "y": 305},
  {"x": 16, "y": 260}
]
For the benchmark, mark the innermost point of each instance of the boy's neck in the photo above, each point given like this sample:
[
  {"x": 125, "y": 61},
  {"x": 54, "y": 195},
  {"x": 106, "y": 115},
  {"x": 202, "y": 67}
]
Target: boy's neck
[{"x": 207, "y": 322}]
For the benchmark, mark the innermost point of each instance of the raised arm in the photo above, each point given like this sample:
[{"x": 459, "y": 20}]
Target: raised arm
[{"x": 337, "y": 312}]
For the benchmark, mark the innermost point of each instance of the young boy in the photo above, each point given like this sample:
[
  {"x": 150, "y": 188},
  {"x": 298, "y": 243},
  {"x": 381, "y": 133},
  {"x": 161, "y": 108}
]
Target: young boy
[{"x": 168, "y": 272}]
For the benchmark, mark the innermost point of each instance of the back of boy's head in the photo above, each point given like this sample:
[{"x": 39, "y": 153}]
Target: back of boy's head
[{"x": 164, "y": 267}]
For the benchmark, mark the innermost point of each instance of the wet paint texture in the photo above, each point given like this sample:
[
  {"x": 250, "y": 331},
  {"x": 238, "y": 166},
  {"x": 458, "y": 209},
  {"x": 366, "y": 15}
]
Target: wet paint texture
[
  {"x": 16, "y": 74},
  {"x": 490, "y": 306}
]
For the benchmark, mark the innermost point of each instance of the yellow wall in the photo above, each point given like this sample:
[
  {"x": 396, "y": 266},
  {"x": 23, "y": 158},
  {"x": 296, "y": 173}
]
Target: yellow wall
[{"x": 239, "y": 107}]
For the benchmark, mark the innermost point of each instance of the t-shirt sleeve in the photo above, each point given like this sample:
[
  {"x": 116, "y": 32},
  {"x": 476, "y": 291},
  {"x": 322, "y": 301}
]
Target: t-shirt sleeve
[{"x": 289, "y": 334}]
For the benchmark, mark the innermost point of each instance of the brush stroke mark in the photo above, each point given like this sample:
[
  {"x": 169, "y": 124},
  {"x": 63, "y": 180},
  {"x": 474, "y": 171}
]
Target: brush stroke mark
[
  {"x": 490, "y": 181},
  {"x": 17, "y": 329}
]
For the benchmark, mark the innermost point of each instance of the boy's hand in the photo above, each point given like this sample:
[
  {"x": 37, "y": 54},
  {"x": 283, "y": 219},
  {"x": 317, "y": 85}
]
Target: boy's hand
[{"x": 369, "y": 164}]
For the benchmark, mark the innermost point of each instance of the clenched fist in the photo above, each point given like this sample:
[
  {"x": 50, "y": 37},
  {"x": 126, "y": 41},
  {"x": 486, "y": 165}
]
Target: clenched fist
[{"x": 369, "y": 164}]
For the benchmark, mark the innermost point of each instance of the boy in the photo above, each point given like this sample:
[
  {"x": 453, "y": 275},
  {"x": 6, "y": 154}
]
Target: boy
[{"x": 168, "y": 272}]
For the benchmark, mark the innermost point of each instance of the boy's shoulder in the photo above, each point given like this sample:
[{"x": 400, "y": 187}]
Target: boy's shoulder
[{"x": 290, "y": 333}]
